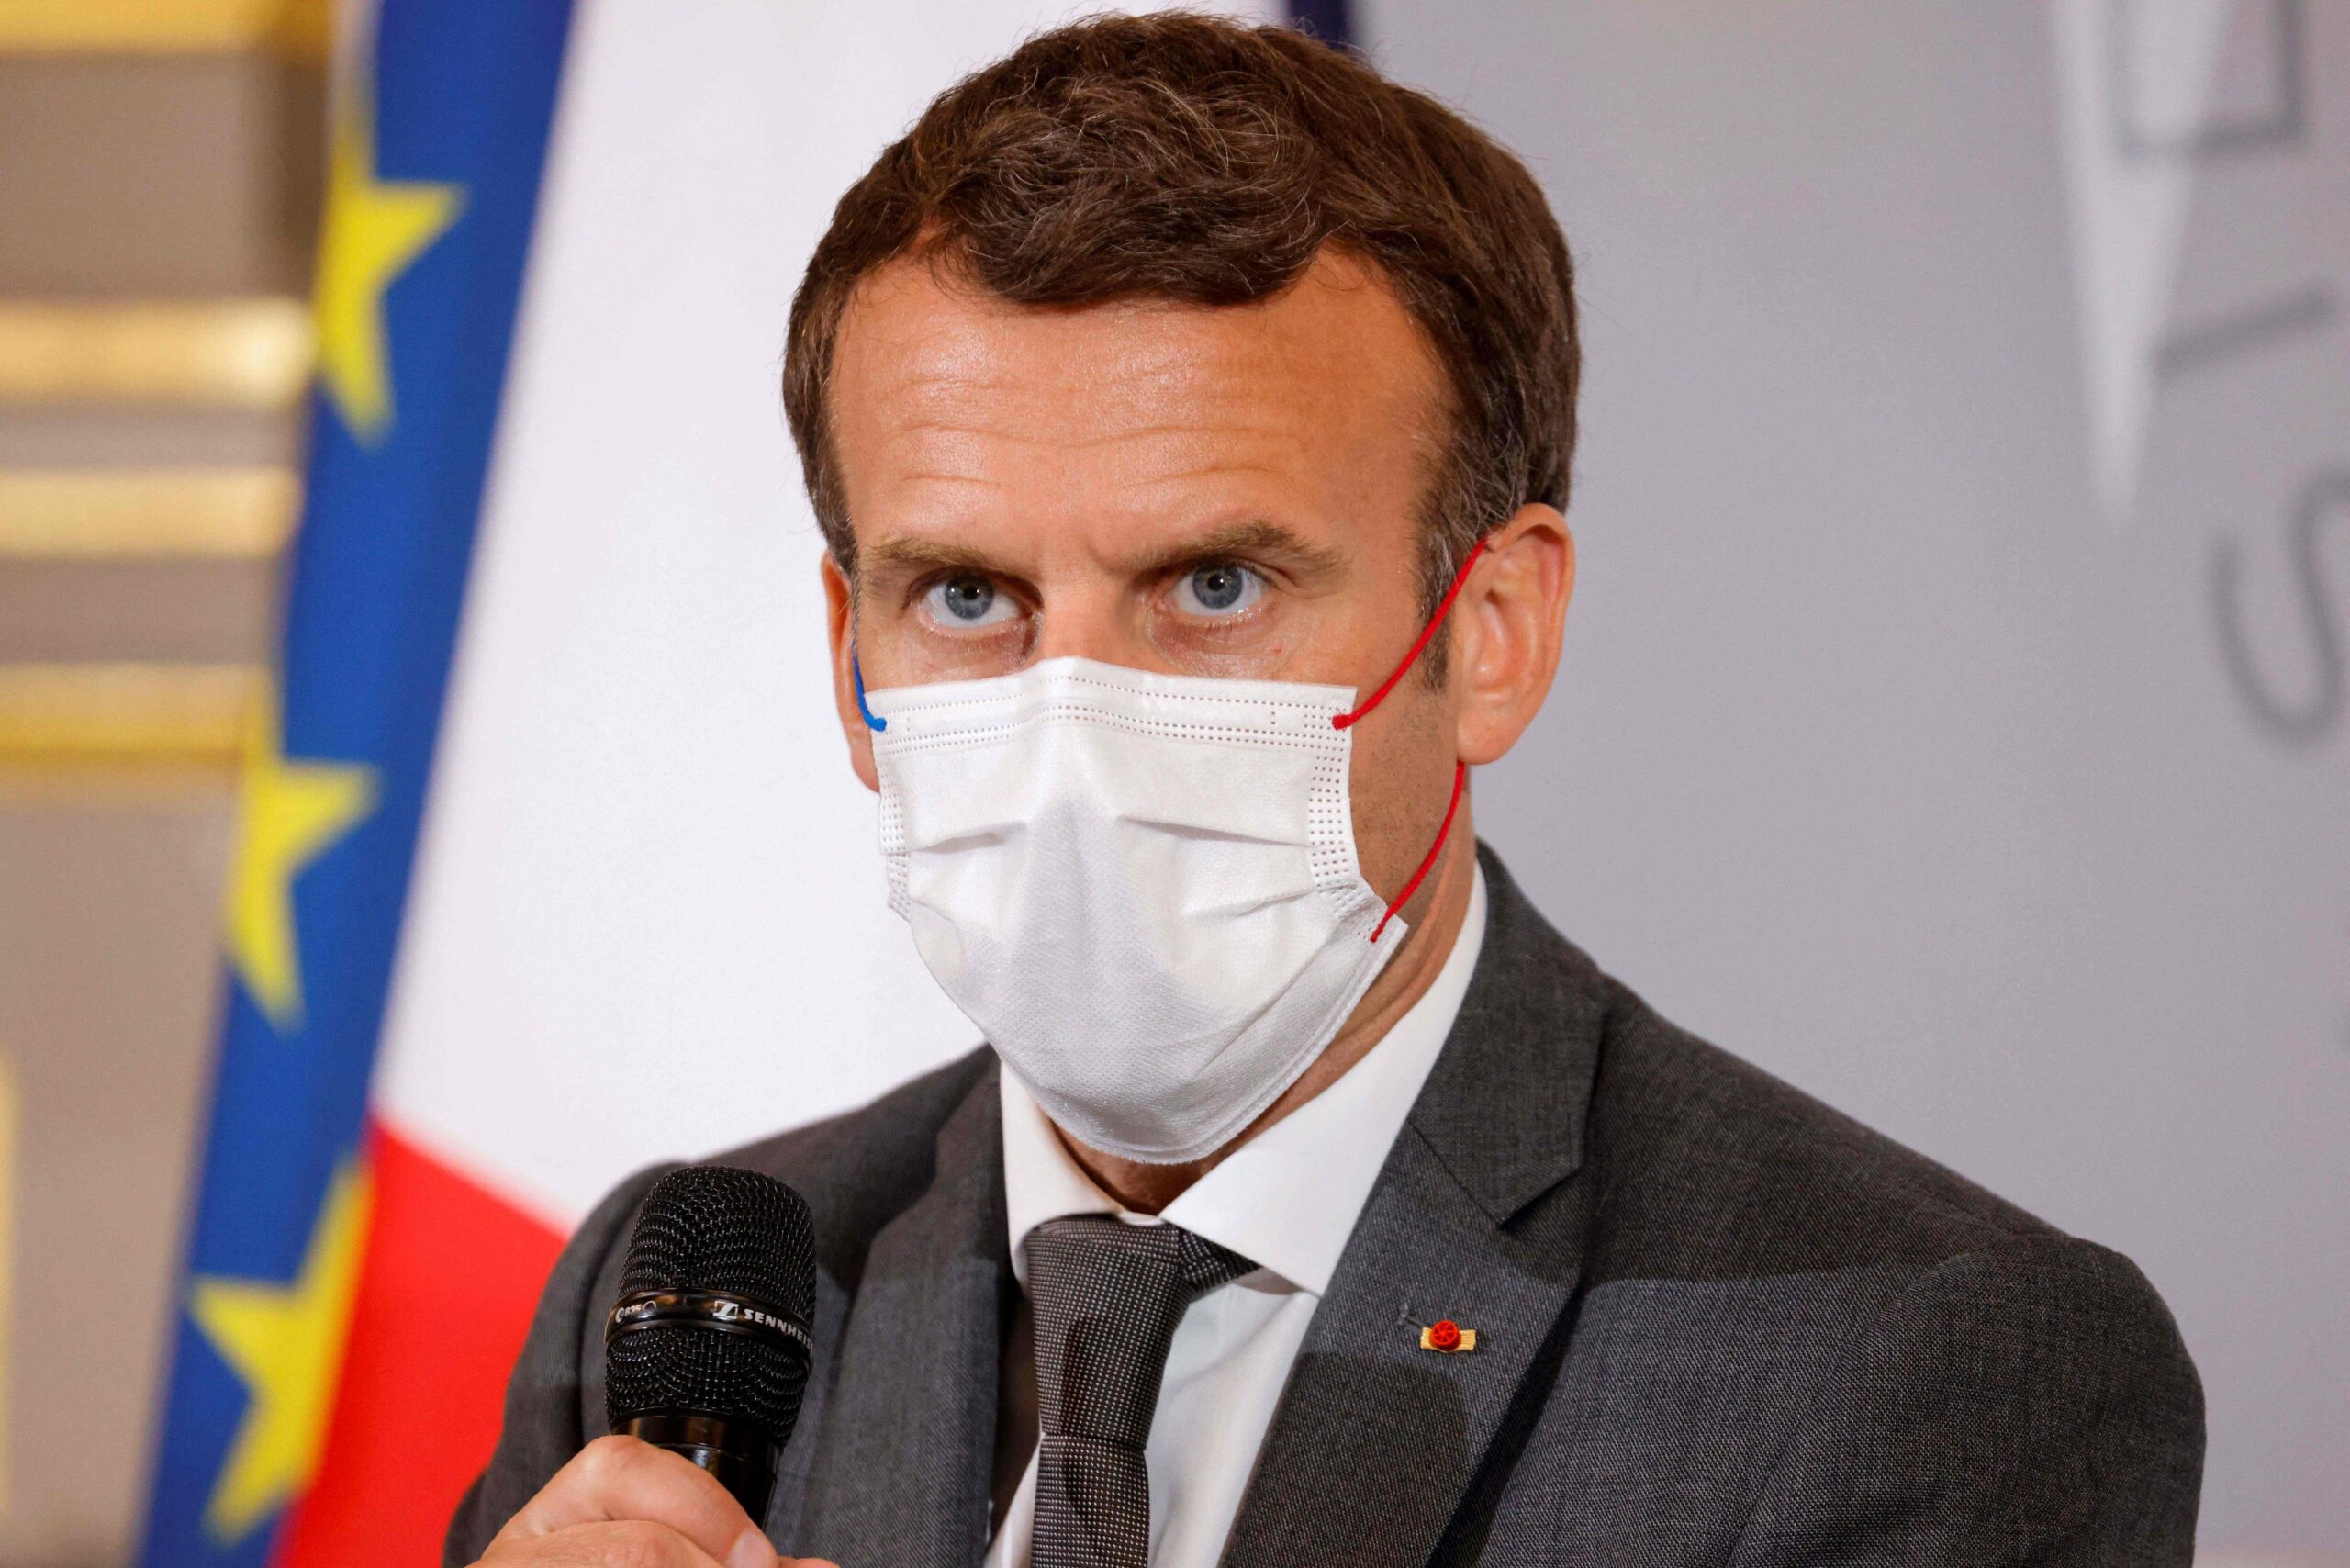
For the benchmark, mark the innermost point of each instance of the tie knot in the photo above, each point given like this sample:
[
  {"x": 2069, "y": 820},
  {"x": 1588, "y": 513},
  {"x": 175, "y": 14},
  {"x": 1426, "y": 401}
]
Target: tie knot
[{"x": 1107, "y": 1296}]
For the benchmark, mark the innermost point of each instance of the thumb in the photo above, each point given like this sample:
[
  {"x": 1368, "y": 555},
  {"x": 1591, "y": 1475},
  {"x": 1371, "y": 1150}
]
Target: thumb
[{"x": 753, "y": 1551}]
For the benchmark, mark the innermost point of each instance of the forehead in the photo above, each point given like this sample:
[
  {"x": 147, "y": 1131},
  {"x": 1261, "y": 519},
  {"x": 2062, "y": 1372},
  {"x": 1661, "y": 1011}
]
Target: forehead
[{"x": 943, "y": 390}]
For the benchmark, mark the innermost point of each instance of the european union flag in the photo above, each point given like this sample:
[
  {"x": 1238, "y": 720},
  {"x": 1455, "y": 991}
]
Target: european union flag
[{"x": 436, "y": 148}]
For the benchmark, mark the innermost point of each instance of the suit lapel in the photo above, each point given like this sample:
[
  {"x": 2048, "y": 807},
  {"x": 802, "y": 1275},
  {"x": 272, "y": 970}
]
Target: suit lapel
[
  {"x": 908, "y": 1419},
  {"x": 1376, "y": 1441}
]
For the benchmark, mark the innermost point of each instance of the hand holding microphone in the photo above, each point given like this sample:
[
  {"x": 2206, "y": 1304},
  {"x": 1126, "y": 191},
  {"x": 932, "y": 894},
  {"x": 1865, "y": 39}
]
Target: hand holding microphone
[
  {"x": 706, "y": 1356},
  {"x": 621, "y": 1503}
]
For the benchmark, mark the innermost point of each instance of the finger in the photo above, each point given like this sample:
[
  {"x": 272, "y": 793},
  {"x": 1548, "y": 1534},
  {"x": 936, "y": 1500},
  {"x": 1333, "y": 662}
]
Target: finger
[
  {"x": 633, "y": 1542},
  {"x": 615, "y": 1479}
]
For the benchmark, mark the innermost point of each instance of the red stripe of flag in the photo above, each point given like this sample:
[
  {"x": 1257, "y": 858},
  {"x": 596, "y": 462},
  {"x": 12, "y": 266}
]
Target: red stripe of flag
[{"x": 446, "y": 1288}]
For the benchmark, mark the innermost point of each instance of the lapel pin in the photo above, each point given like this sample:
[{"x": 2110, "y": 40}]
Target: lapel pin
[{"x": 1447, "y": 1337}]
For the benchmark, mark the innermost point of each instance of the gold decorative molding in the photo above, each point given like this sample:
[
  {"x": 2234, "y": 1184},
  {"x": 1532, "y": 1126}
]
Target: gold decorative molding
[
  {"x": 147, "y": 514},
  {"x": 296, "y": 29},
  {"x": 241, "y": 353},
  {"x": 79, "y": 717}
]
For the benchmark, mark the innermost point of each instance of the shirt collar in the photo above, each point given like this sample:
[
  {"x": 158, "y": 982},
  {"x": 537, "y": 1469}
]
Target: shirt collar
[{"x": 1287, "y": 1199}]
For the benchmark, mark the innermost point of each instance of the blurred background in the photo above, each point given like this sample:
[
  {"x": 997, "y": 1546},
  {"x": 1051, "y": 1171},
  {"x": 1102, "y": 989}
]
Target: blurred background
[
  {"x": 161, "y": 179},
  {"x": 1952, "y": 721}
]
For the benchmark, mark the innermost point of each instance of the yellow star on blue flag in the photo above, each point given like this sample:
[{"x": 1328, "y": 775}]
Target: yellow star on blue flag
[
  {"x": 288, "y": 814},
  {"x": 284, "y": 1342},
  {"x": 374, "y": 229}
]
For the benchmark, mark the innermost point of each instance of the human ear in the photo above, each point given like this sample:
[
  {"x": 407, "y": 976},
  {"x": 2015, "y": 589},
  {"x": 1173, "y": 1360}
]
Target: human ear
[
  {"x": 1506, "y": 630},
  {"x": 839, "y": 625}
]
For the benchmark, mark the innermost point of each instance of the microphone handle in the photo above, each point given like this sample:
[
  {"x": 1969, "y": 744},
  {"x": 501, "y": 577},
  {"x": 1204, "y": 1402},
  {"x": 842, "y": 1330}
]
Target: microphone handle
[{"x": 738, "y": 1453}]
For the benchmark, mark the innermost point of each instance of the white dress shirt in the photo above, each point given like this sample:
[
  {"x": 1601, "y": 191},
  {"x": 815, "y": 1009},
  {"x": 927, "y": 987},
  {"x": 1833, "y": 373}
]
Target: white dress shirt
[{"x": 1287, "y": 1200}]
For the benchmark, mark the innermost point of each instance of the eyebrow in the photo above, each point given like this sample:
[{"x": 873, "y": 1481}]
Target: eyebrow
[
  {"x": 1264, "y": 541},
  {"x": 925, "y": 555},
  {"x": 1255, "y": 539}
]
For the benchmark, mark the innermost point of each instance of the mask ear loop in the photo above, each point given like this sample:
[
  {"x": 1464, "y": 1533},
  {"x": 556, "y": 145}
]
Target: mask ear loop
[
  {"x": 1459, "y": 776},
  {"x": 856, "y": 678},
  {"x": 1459, "y": 770}
]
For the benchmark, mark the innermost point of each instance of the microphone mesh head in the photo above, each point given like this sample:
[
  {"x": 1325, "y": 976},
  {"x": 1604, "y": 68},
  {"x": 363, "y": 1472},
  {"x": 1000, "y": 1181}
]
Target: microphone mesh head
[{"x": 712, "y": 1227}]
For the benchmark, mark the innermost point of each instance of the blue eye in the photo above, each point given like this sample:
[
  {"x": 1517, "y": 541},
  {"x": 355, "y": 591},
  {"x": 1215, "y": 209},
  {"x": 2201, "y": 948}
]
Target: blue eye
[
  {"x": 966, "y": 602},
  {"x": 1219, "y": 589}
]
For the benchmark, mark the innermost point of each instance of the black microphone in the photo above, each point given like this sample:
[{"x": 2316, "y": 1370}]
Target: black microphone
[{"x": 706, "y": 1351}]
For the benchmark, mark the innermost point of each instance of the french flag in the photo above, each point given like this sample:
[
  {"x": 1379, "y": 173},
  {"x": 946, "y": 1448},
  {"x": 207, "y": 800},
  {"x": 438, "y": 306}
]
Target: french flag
[{"x": 549, "y": 863}]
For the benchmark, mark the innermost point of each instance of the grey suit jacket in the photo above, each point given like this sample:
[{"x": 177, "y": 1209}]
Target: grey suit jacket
[{"x": 1718, "y": 1323}]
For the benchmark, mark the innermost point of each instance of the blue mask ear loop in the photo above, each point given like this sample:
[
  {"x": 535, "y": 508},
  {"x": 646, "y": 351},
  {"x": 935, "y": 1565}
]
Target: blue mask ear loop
[{"x": 856, "y": 677}]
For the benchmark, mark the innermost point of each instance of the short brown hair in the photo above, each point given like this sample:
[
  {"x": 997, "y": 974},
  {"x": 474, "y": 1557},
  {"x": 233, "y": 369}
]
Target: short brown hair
[{"x": 1185, "y": 157}]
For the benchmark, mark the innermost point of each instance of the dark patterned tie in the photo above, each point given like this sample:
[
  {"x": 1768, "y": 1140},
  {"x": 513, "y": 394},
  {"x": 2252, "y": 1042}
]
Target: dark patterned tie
[{"x": 1107, "y": 1296}]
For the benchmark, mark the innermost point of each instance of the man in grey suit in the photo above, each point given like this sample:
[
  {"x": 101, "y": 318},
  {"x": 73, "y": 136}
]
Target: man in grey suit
[{"x": 1189, "y": 411}]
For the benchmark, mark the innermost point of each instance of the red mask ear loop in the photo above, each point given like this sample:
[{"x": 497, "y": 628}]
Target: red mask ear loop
[
  {"x": 1459, "y": 770},
  {"x": 1443, "y": 609},
  {"x": 1460, "y": 774}
]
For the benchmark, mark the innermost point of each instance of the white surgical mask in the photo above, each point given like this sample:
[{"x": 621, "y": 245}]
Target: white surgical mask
[{"x": 1141, "y": 888}]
